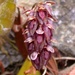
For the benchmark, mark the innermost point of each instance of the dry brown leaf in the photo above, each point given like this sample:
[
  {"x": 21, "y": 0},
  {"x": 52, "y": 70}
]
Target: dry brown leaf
[{"x": 52, "y": 66}]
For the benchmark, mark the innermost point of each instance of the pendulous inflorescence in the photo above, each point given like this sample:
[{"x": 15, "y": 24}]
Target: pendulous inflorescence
[{"x": 38, "y": 30}]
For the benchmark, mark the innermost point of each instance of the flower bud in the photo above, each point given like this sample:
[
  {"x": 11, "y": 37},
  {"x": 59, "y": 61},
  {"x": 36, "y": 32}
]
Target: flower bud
[{"x": 34, "y": 55}]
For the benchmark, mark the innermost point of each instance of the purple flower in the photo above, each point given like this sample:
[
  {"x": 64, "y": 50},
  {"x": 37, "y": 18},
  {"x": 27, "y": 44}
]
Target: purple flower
[{"x": 40, "y": 32}]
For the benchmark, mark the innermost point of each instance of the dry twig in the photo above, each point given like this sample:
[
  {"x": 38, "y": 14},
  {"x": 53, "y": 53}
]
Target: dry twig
[{"x": 64, "y": 58}]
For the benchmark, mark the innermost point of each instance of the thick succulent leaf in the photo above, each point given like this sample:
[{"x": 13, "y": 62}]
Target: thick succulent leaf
[
  {"x": 26, "y": 66},
  {"x": 7, "y": 9}
]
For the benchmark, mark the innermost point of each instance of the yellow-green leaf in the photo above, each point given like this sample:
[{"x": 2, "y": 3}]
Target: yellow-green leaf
[
  {"x": 7, "y": 10},
  {"x": 26, "y": 66}
]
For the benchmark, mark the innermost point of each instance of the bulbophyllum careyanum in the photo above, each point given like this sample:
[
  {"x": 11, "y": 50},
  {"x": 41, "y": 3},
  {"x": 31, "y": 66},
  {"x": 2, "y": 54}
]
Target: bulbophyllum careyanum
[{"x": 36, "y": 33}]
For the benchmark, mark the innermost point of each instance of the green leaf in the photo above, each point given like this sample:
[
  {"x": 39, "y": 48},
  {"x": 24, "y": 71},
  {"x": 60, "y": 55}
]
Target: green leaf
[
  {"x": 7, "y": 10},
  {"x": 26, "y": 66}
]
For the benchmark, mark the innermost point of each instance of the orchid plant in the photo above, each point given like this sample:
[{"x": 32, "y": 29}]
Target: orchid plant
[{"x": 36, "y": 36}]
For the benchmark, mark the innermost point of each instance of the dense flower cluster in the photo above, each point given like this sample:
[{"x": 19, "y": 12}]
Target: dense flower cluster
[{"x": 39, "y": 33}]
